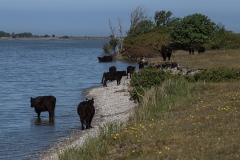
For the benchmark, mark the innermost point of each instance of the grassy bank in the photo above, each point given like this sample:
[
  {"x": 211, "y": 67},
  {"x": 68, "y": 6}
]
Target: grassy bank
[{"x": 177, "y": 119}]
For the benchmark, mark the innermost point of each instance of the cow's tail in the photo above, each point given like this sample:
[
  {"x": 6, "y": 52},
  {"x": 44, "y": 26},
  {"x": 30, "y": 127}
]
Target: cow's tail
[{"x": 103, "y": 77}]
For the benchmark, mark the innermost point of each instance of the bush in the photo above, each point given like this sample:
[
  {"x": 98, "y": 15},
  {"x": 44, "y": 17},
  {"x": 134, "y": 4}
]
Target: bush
[
  {"x": 145, "y": 79},
  {"x": 147, "y": 45}
]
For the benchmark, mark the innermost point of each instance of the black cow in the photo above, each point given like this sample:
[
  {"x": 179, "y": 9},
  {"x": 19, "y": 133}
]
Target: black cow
[
  {"x": 191, "y": 50},
  {"x": 105, "y": 59},
  {"x": 112, "y": 76},
  {"x": 130, "y": 70},
  {"x": 166, "y": 52},
  {"x": 44, "y": 103},
  {"x": 86, "y": 112},
  {"x": 201, "y": 49},
  {"x": 140, "y": 65},
  {"x": 112, "y": 69}
]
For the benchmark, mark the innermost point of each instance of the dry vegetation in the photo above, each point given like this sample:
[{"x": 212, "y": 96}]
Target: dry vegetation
[
  {"x": 209, "y": 59},
  {"x": 195, "y": 121}
]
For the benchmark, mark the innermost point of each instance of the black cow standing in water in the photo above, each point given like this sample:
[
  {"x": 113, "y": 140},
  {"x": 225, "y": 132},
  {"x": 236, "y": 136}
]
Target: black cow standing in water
[
  {"x": 166, "y": 52},
  {"x": 201, "y": 49},
  {"x": 113, "y": 76},
  {"x": 86, "y": 111},
  {"x": 191, "y": 50},
  {"x": 112, "y": 69},
  {"x": 105, "y": 59},
  {"x": 130, "y": 70},
  {"x": 44, "y": 103}
]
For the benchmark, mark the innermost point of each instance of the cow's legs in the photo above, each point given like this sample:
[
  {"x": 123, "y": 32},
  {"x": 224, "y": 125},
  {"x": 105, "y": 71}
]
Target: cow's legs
[
  {"x": 82, "y": 124},
  {"x": 51, "y": 114},
  {"x": 38, "y": 113},
  {"x": 88, "y": 125},
  {"x": 90, "y": 120},
  {"x": 105, "y": 83}
]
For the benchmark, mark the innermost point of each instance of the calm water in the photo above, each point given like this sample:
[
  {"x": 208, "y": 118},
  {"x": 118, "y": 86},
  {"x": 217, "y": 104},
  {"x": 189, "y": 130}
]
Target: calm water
[{"x": 33, "y": 68}]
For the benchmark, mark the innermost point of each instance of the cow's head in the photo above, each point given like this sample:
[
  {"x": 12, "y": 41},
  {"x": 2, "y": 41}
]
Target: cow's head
[
  {"x": 32, "y": 101},
  {"x": 90, "y": 100}
]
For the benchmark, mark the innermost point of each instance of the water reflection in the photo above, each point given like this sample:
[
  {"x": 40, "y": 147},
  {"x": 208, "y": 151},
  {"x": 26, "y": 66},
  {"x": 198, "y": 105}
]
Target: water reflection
[{"x": 43, "y": 122}]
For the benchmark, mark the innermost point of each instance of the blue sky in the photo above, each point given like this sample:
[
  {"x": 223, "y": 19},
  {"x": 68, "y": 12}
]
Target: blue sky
[{"x": 90, "y": 17}]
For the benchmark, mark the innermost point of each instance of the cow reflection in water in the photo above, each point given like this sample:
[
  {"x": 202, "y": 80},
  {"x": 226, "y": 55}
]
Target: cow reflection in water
[{"x": 44, "y": 122}]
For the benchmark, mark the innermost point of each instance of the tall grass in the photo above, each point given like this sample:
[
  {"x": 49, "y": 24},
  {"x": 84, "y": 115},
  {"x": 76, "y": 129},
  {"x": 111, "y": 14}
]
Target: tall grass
[{"x": 118, "y": 142}]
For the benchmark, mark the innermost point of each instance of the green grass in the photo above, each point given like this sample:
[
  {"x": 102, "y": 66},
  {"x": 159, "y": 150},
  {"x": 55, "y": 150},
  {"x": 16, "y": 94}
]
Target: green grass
[{"x": 177, "y": 120}]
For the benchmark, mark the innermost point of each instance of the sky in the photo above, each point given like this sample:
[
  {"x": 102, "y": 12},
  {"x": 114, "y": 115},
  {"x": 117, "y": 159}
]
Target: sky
[{"x": 91, "y": 17}]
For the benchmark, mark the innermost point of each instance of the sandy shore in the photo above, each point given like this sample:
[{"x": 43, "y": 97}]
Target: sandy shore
[{"x": 112, "y": 105}]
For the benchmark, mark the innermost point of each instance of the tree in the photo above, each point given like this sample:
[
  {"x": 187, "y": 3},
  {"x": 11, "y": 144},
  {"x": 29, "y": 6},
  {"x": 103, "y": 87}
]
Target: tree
[
  {"x": 24, "y": 34},
  {"x": 193, "y": 29},
  {"x": 145, "y": 45},
  {"x": 4, "y": 34},
  {"x": 163, "y": 18},
  {"x": 138, "y": 15},
  {"x": 46, "y": 35},
  {"x": 120, "y": 31},
  {"x": 140, "y": 22},
  {"x": 111, "y": 28},
  {"x": 142, "y": 27},
  {"x": 113, "y": 42}
]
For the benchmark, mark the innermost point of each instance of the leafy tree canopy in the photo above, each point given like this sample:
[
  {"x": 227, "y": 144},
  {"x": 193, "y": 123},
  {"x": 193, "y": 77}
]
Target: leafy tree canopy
[
  {"x": 162, "y": 18},
  {"x": 146, "y": 45},
  {"x": 4, "y": 34},
  {"x": 194, "y": 29},
  {"x": 142, "y": 27},
  {"x": 24, "y": 34}
]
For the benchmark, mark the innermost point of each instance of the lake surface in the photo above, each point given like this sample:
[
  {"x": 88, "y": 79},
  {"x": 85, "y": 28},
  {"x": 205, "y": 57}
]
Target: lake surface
[{"x": 31, "y": 68}]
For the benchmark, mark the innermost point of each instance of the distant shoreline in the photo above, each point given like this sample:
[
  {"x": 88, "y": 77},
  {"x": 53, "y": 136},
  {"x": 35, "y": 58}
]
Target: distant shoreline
[{"x": 56, "y": 38}]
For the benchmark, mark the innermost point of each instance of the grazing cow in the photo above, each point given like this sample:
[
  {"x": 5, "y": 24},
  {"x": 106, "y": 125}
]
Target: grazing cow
[
  {"x": 201, "y": 49},
  {"x": 105, "y": 59},
  {"x": 44, "y": 103},
  {"x": 113, "y": 76},
  {"x": 191, "y": 50},
  {"x": 130, "y": 70},
  {"x": 86, "y": 112},
  {"x": 113, "y": 69},
  {"x": 166, "y": 52}
]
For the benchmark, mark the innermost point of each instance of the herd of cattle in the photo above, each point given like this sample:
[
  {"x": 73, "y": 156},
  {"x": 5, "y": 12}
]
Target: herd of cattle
[
  {"x": 192, "y": 48},
  {"x": 86, "y": 108},
  {"x": 167, "y": 51}
]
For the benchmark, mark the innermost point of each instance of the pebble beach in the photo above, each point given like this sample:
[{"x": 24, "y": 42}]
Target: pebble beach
[{"x": 112, "y": 104}]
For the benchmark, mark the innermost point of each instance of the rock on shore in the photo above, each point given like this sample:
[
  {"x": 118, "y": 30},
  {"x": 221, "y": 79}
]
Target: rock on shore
[{"x": 113, "y": 105}]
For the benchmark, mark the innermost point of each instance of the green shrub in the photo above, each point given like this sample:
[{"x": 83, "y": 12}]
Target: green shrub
[{"x": 147, "y": 78}]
